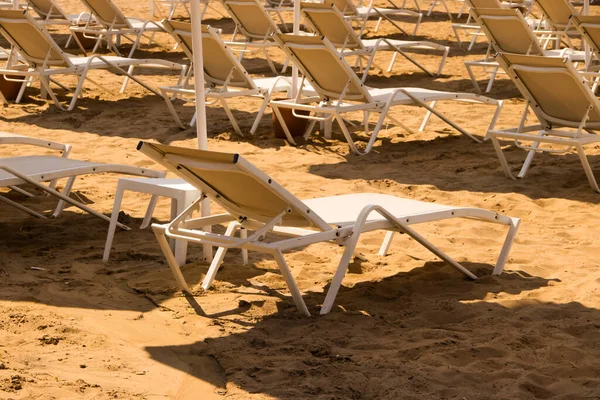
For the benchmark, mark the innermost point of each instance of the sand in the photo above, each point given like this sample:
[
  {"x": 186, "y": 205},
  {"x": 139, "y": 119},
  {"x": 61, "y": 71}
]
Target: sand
[{"x": 405, "y": 326}]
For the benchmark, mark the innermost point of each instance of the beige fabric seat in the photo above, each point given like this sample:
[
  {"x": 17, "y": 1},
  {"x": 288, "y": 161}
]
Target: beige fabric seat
[
  {"x": 340, "y": 91},
  {"x": 327, "y": 20},
  {"x": 225, "y": 76},
  {"x": 255, "y": 205},
  {"x": 45, "y": 60},
  {"x": 562, "y": 100}
]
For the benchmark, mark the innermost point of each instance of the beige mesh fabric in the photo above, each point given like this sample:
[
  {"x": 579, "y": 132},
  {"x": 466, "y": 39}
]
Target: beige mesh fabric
[
  {"x": 218, "y": 60},
  {"x": 329, "y": 22},
  {"x": 559, "y": 93},
  {"x": 345, "y": 6},
  {"x": 509, "y": 30},
  {"x": 34, "y": 44},
  {"x": 251, "y": 193},
  {"x": 107, "y": 13},
  {"x": 590, "y": 26},
  {"x": 45, "y": 7},
  {"x": 557, "y": 11},
  {"x": 252, "y": 18},
  {"x": 327, "y": 72}
]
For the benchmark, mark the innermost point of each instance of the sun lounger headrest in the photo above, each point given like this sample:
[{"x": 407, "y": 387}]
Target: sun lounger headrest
[
  {"x": 234, "y": 183},
  {"x": 251, "y": 18},
  {"x": 322, "y": 65},
  {"x": 327, "y": 19},
  {"x": 107, "y": 13},
  {"x": 508, "y": 30},
  {"x": 558, "y": 11},
  {"x": 33, "y": 41},
  {"x": 554, "y": 85}
]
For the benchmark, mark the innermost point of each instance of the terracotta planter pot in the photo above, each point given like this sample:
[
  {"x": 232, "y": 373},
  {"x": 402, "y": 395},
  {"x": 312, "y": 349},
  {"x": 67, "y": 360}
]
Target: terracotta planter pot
[
  {"x": 9, "y": 89},
  {"x": 297, "y": 126},
  {"x": 86, "y": 42}
]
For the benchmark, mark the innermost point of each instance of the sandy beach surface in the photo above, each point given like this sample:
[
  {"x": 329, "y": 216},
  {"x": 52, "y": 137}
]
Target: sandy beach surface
[{"x": 405, "y": 326}]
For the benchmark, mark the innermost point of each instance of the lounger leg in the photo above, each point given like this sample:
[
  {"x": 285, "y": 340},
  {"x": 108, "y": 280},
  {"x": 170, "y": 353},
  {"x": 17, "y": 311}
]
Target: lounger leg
[
  {"x": 336, "y": 282},
  {"x": 126, "y": 80},
  {"x": 392, "y": 62},
  {"x": 159, "y": 232},
  {"x": 348, "y": 137},
  {"x": 114, "y": 217},
  {"x": 66, "y": 191},
  {"x": 78, "y": 90},
  {"x": 218, "y": 259},
  {"x": 231, "y": 117},
  {"x": 387, "y": 243},
  {"x": 501, "y": 157},
  {"x": 529, "y": 158},
  {"x": 291, "y": 283},
  {"x": 259, "y": 115},
  {"x": 587, "y": 168},
  {"x": 244, "y": 235},
  {"x": 508, "y": 242},
  {"x": 284, "y": 126},
  {"x": 492, "y": 79},
  {"x": 427, "y": 117},
  {"x": 171, "y": 108},
  {"x": 149, "y": 212},
  {"x": 469, "y": 68}
]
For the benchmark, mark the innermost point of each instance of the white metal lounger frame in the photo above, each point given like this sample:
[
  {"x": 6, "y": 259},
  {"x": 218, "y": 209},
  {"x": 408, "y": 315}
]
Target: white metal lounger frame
[
  {"x": 293, "y": 219},
  {"x": 55, "y": 15},
  {"x": 547, "y": 130},
  {"x": 117, "y": 26},
  {"x": 42, "y": 68},
  {"x": 331, "y": 105},
  {"x": 13, "y": 138},
  {"x": 353, "y": 45},
  {"x": 218, "y": 89},
  {"x": 263, "y": 40},
  {"x": 18, "y": 178}
]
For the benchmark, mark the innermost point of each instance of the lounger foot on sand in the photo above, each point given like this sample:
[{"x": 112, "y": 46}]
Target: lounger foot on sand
[{"x": 255, "y": 204}]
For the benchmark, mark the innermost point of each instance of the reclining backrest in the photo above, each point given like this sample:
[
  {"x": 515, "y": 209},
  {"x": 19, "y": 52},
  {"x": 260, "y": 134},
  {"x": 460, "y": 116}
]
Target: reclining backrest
[
  {"x": 107, "y": 13},
  {"x": 328, "y": 21},
  {"x": 508, "y": 31},
  {"x": 323, "y": 66},
  {"x": 251, "y": 18},
  {"x": 235, "y": 184},
  {"x": 32, "y": 41},
  {"x": 554, "y": 87}
]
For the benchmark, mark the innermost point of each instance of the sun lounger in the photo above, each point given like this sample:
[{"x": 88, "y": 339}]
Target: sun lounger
[
  {"x": 256, "y": 204},
  {"x": 561, "y": 99},
  {"x": 557, "y": 14},
  {"x": 362, "y": 14},
  {"x": 225, "y": 77},
  {"x": 341, "y": 91},
  {"x": 109, "y": 25},
  {"x": 508, "y": 32},
  {"x": 256, "y": 26},
  {"x": 46, "y": 60},
  {"x": 13, "y": 138},
  {"x": 34, "y": 170},
  {"x": 51, "y": 13},
  {"x": 328, "y": 21}
]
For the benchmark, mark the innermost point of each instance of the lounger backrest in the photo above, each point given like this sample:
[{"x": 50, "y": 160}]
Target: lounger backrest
[
  {"x": 219, "y": 61},
  {"x": 47, "y": 9},
  {"x": 251, "y": 18},
  {"x": 323, "y": 66},
  {"x": 558, "y": 12},
  {"x": 33, "y": 41},
  {"x": 554, "y": 87},
  {"x": 327, "y": 20},
  {"x": 589, "y": 27},
  {"x": 507, "y": 30},
  {"x": 107, "y": 13},
  {"x": 235, "y": 184}
]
